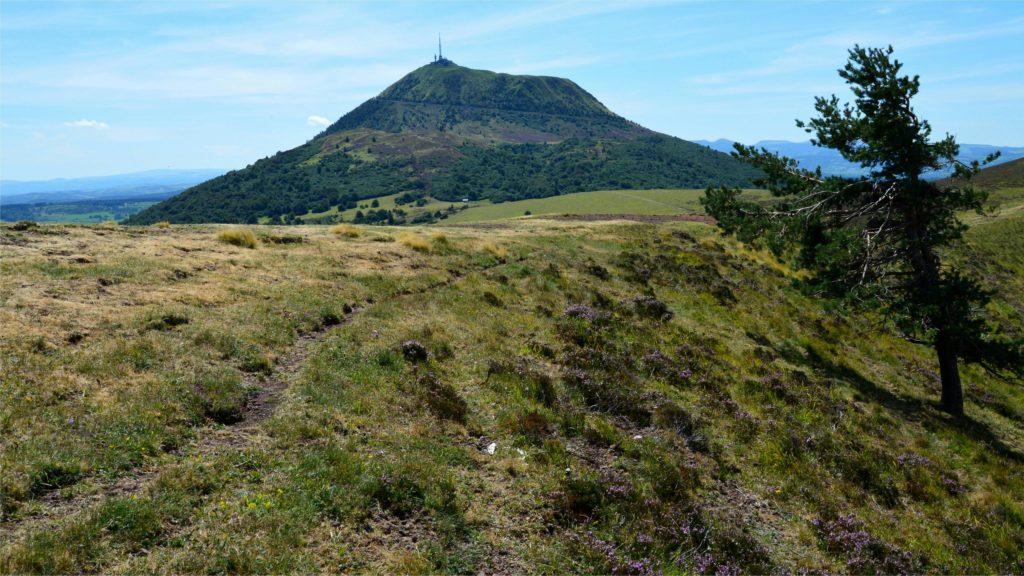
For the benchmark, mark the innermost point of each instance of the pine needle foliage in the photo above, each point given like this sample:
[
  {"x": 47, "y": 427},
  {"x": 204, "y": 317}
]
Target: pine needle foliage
[{"x": 877, "y": 241}]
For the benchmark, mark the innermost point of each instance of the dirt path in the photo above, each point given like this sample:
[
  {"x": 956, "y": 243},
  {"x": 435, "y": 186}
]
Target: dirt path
[
  {"x": 259, "y": 408},
  {"x": 209, "y": 439},
  {"x": 245, "y": 432}
]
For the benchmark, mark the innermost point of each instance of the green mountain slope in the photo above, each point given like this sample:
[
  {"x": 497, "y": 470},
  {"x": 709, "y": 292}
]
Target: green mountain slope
[
  {"x": 1007, "y": 175},
  {"x": 451, "y": 132}
]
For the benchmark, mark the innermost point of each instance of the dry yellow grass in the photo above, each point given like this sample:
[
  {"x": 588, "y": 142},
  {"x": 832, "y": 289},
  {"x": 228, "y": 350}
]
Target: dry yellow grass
[
  {"x": 493, "y": 249},
  {"x": 347, "y": 230},
  {"x": 242, "y": 237},
  {"x": 414, "y": 241}
]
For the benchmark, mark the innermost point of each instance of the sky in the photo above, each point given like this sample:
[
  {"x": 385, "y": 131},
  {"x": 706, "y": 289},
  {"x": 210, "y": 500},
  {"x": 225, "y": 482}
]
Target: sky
[{"x": 106, "y": 87}]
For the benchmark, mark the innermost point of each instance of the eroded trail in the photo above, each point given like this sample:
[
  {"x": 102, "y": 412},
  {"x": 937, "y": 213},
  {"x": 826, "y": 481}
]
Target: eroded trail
[{"x": 246, "y": 431}]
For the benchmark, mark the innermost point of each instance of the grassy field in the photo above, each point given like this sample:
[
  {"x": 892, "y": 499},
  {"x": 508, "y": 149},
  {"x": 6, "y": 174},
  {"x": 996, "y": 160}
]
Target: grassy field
[
  {"x": 648, "y": 202},
  {"x": 83, "y": 212},
  {"x": 534, "y": 396},
  {"x": 384, "y": 203}
]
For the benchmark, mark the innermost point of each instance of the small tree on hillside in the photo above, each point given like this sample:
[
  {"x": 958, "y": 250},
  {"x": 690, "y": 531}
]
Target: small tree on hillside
[{"x": 876, "y": 240}]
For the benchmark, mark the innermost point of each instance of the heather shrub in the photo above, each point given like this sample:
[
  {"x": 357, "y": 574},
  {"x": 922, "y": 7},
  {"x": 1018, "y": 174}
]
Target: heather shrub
[
  {"x": 533, "y": 426},
  {"x": 651, "y": 307},
  {"x": 671, "y": 416},
  {"x": 580, "y": 495},
  {"x": 413, "y": 351},
  {"x": 442, "y": 399},
  {"x": 598, "y": 271},
  {"x": 614, "y": 396},
  {"x": 865, "y": 553}
]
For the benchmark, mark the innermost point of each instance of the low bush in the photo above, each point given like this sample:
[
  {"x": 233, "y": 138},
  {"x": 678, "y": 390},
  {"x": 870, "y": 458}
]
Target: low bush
[
  {"x": 415, "y": 352},
  {"x": 581, "y": 495},
  {"x": 442, "y": 399},
  {"x": 22, "y": 225},
  {"x": 651, "y": 307},
  {"x": 533, "y": 426},
  {"x": 614, "y": 396}
]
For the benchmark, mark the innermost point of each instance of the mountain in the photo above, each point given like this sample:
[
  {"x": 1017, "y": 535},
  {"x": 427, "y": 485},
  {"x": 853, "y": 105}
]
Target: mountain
[
  {"x": 451, "y": 132},
  {"x": 1005, "y": 175},
  {"x": 152, "y": 183},
  {"x": 832, "y": 163}
]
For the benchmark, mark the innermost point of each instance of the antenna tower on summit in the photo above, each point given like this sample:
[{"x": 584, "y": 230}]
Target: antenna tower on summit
[{"x": 439, "y": 57}]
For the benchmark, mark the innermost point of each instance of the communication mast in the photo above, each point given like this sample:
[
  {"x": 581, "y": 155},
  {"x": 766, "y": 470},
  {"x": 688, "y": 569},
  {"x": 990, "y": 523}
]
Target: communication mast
[{"x": 439, "y": 57}]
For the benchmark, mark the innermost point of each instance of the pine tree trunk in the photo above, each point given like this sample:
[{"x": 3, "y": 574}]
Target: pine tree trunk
[{"x": 952, "y": 391}]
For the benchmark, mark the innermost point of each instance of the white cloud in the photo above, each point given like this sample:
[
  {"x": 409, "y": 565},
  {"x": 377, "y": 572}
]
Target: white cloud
[
  {"x": 3, "y": 124},
  {"x": 317, "y": 121},
  {"x": 83, "y": 123}
]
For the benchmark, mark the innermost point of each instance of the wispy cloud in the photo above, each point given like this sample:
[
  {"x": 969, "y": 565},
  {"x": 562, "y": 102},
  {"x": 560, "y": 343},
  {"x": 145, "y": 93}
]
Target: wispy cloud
[
  {"x": 317, "y": 121},
  {"x": 83, "y": 123}
]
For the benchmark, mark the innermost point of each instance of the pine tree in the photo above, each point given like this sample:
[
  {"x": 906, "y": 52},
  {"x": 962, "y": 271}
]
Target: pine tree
[{"x": 876, "y": 241}]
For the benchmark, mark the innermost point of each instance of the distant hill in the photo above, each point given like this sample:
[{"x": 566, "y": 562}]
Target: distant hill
[
  {"x": 450, "y": 132},
  {"x": 157, "y": 184},
  {"x": 1005, "y": 175},
  {"x": 832, "y": 163}
]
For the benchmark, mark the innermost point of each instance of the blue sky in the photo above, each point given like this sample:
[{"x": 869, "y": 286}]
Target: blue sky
[{"x": 92, "y": 88}]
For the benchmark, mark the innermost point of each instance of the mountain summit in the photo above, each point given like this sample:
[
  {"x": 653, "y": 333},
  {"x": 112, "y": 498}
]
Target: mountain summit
[
  {"x": 450, "y": 132},
  {"x": 441, "y": 96}
]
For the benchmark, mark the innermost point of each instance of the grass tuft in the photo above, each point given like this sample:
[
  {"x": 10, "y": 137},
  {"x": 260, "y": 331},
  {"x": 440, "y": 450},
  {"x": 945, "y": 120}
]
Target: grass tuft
[
  {"x": 346, "y": 230},
  {"x": 242, "y": 237},
  {"x": 414, "y": 241},
  {"x": 494, "y": 250}
]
